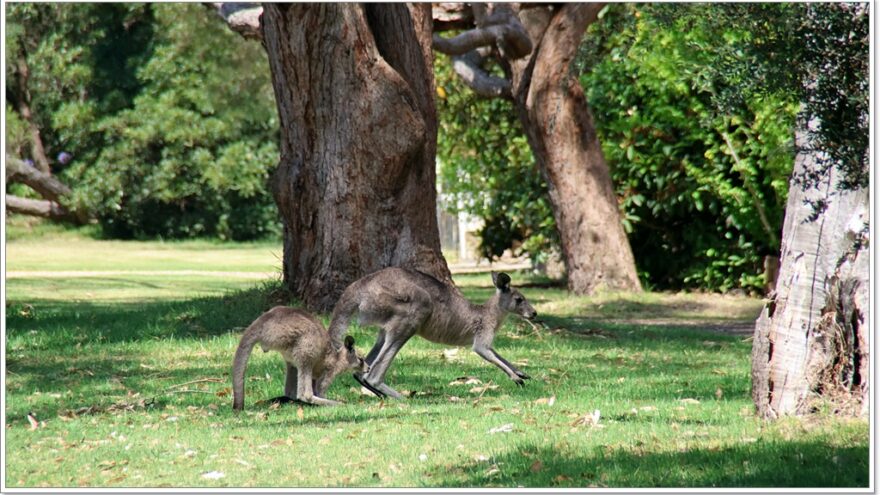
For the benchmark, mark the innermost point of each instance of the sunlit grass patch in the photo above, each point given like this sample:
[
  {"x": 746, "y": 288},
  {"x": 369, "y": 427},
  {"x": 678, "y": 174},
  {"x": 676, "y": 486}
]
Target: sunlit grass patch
[{"x": 128, "y": 379}]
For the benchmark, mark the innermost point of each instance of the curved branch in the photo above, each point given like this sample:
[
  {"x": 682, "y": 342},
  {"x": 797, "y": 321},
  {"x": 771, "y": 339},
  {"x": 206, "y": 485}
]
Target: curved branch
[
  {"x": 48, "y": 186},
  {"x": 481, "y": 82},
  {"x": 243, "y": 18},
  {"x": 510, "y": 38}
]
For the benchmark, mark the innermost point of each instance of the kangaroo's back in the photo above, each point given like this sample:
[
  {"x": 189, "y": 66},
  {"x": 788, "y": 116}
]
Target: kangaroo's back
[{"x": 403, "y": 293}]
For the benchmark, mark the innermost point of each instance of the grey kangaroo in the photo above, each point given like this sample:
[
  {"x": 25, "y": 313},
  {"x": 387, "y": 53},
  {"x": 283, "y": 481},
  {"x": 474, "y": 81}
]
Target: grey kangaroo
[
  {"x": 406, "y": 302},
  {"x": 304, "y": 343}
]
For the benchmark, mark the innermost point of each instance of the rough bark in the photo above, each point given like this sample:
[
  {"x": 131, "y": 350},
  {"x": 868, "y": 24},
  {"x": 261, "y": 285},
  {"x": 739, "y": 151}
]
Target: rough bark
[
  {"x": 811, "y": 339},
  {"x": 560, "y": 130},
  {"x": 356, "y": 181}
]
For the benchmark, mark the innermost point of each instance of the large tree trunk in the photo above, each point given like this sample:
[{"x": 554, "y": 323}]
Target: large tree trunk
[
  {"x": 559, "y": 126},
  {"x": 356, "y": 181},
  {"x": 811, "y": 339}
]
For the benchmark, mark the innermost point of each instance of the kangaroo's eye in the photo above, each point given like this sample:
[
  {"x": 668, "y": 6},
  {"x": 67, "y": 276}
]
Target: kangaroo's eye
[{"x": 518, "y": 300}]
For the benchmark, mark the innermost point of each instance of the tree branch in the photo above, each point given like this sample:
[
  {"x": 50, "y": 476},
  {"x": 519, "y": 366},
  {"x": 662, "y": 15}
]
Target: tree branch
[
  {"x": 451, "y": 16},
  {"x": 481, "y": 82},
  {"x": 37, "y": 207},
  {"x": 243, "y": 18},
  {"x": 500, "y": 28},
  {"x": 48, "y": 186}
]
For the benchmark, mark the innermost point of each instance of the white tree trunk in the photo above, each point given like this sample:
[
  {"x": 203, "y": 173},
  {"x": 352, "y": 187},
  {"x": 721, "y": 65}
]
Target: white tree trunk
[{"x": 811, "y": 339}]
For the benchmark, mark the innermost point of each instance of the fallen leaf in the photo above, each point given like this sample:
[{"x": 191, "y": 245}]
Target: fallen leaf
[
  {"x": 451, "y": 355},
  {"x": 647, "y": 408},
  {"x": 589, "y": 419},
  {"x": 505, "y": 428},
  {"x": 690, "y": 401},
  {"x": 546, "y": 400},
  {"x": 492, "y": 471},
  {"x": 213, "y": 475},
  {"x": 299, "y": 413},
  {"x": 719, "y": 393},
  {"x": 423, "y": 457},
  {"x": 224, "y": 392},
  {"x": 536, "y": 466},
  {"x": 33, "y": 421},
  {"x": 561, "y": 478}
]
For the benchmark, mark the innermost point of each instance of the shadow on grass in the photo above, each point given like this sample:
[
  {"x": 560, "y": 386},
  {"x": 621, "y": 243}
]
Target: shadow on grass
[{"x": 759, "y": 464}]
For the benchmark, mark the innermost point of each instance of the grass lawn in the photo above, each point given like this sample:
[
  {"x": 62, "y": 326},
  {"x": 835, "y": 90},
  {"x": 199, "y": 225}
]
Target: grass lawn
[{"x": 128, "y": 375}]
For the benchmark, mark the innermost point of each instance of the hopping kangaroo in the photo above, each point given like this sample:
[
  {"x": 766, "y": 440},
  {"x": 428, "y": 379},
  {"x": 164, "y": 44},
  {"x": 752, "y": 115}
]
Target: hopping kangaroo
[
  {"x": 405, "y": 302},
  {"x": 304, "y": 343}
]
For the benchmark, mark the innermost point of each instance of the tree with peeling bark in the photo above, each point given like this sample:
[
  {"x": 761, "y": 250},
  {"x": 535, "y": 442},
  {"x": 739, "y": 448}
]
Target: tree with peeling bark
[
  {"x": 811, "y": 349},
  {"x": 534, "y": 46}
]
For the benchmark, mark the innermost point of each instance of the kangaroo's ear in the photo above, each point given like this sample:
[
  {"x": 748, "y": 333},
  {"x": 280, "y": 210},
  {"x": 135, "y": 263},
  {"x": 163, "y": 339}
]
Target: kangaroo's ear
[
  {"x": 349, "y": 342},
  {"x": 501, "y": 281}
]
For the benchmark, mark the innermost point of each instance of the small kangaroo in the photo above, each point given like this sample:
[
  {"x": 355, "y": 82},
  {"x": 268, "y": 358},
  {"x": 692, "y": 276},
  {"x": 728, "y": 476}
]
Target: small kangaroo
[
  {"x": 406, "y": 302},
  {"x": 312, "y": 363}
]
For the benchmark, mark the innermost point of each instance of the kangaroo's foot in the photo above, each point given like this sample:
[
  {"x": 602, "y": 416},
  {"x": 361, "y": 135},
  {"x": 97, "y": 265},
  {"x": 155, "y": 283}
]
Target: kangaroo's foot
[
  {"x": 360, "y": 379},
  {"x": 283, "y": 399},
  {"x": 320, "y": 401},
  {"x": 522, "y": 375},
  {"x": 388, "y": 391}
]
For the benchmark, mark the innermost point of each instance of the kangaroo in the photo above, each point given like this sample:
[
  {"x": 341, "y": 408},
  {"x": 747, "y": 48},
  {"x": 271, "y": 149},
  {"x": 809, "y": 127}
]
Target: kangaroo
[
  {"x": 312, "y": 363},
  {"x": 404, "y": 303}
]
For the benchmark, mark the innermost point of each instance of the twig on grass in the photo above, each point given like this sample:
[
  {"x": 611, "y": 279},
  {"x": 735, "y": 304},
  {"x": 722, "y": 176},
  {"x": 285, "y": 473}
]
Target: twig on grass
[{"x": 200, "y": 380}]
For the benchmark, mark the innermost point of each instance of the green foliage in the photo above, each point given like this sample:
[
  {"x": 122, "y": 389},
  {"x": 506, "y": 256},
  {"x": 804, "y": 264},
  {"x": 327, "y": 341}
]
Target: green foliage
[
  {"x": 487, "y": 170},
  {"x": 168, "y": 114},
  {"x": 703, "y": 187}
]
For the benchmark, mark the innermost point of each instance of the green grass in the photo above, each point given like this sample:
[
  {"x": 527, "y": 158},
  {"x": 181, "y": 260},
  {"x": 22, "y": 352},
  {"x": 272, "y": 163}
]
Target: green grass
[{"x": 674, "y": 400}]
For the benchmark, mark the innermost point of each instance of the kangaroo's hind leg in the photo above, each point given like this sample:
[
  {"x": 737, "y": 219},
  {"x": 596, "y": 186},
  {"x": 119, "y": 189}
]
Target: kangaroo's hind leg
[
  {"x": 380, "y": 340},
  {"x": 290, "y": 387}
]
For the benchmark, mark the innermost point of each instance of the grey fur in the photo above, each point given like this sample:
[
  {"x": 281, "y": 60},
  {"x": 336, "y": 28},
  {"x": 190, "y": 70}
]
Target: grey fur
[
  {"x": 304, "y": 343},
  {"x": 404, "y": 303}
]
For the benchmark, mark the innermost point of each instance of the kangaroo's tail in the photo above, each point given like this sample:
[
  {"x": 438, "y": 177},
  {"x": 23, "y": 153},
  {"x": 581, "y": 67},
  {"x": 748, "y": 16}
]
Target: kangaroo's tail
[
  {"x": 342, "y": 314},
  {"x": 239, "y": 364}
]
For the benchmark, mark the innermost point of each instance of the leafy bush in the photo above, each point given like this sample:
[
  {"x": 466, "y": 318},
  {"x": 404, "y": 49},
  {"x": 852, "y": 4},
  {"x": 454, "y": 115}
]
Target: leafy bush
[
  {"x": 169, "y": 116},
  {"x": 703, "y": 188}
]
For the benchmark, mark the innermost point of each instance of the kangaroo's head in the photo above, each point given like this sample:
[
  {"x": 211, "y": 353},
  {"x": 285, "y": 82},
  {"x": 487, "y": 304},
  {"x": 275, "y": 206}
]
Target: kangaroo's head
[
  {"x": 349, "y": 359},
  {"x": 512, "y": 300}
]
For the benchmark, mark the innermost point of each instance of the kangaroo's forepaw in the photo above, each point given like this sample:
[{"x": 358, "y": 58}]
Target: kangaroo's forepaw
[{"x": 523, "y": 375}]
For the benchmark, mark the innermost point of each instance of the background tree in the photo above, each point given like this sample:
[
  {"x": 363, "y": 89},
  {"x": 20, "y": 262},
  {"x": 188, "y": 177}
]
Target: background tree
[
  {"x": 534, "y": 46},
  {"x": 702, "y": 184}
]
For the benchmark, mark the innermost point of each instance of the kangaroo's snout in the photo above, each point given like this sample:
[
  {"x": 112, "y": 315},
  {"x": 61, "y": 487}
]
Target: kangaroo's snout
[{"x": 532, "y": 315}]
